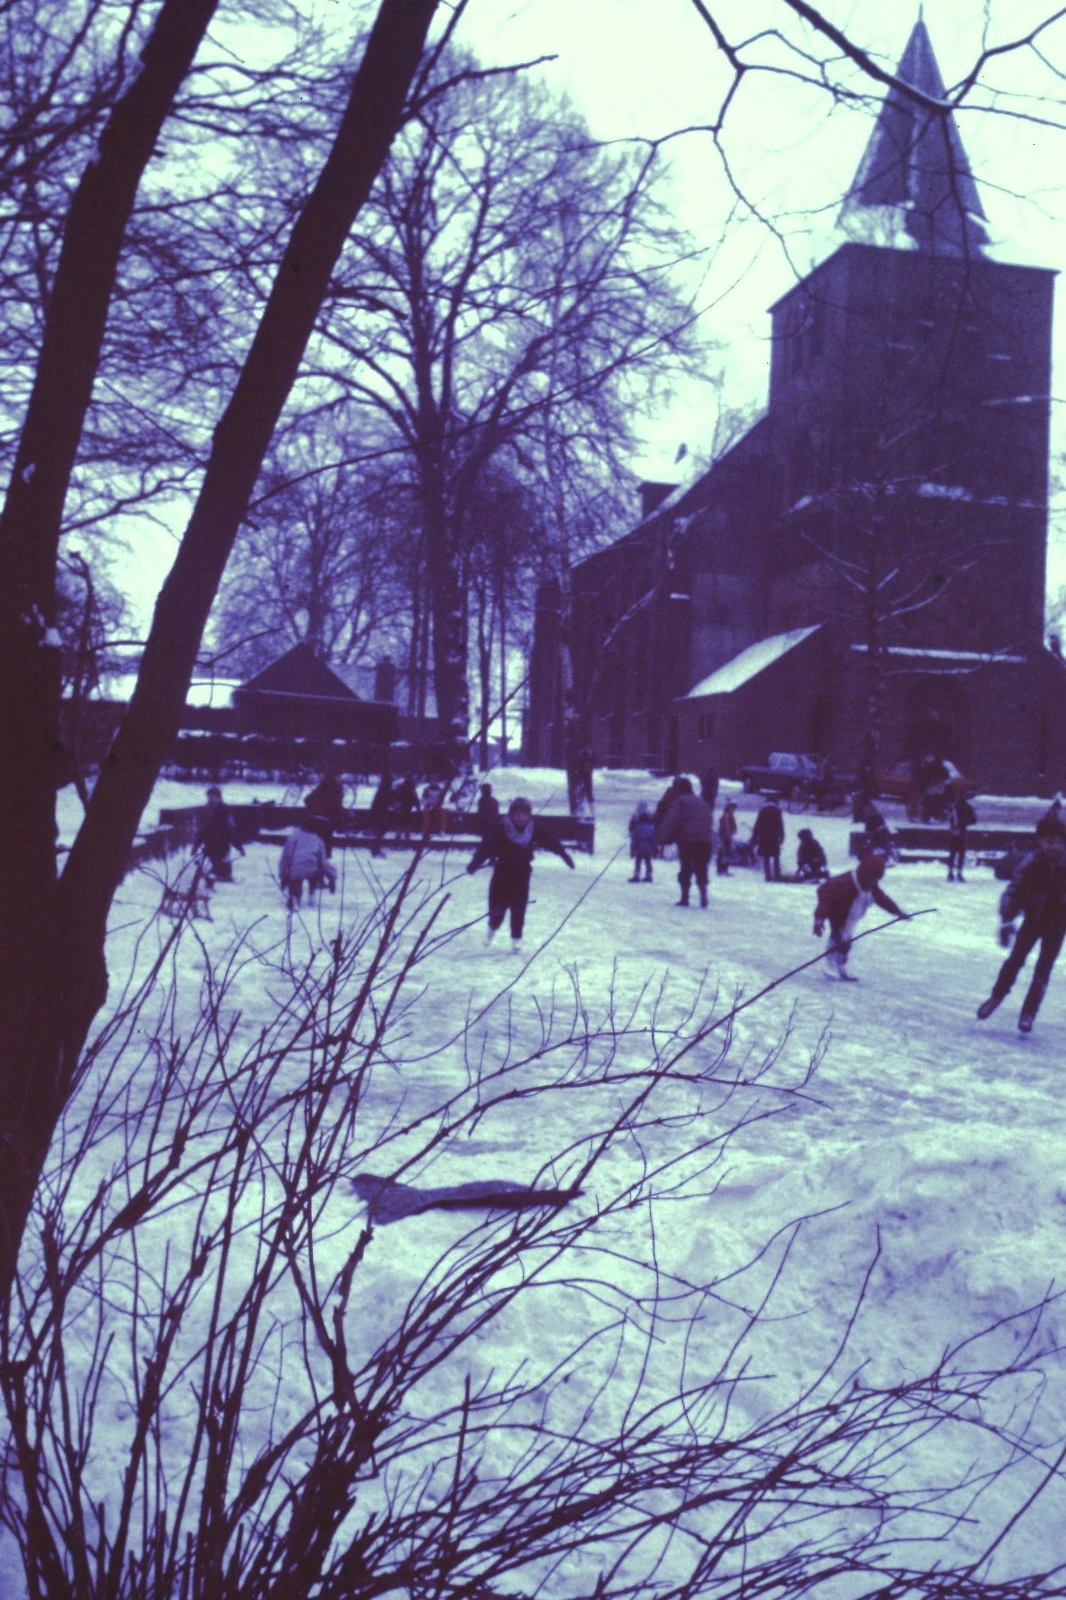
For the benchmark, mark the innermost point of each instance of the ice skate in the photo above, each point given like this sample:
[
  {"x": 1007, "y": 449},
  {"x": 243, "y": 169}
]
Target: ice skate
[
  {"x": 986, "y": 1008},
  {"x": 516, "y": 947},
  {"x": 1025, "y": 1022}
]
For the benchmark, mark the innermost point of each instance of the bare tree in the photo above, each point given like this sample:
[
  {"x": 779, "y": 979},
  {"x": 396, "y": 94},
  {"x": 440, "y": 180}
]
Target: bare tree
[
  {"x": 505, "y": 258},
  {"x": 321, "y": 560},
  {"x": 52, "y": 959}
]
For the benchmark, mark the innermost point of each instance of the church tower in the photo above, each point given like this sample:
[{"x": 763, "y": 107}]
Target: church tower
[{"x": 910, "y": 403}]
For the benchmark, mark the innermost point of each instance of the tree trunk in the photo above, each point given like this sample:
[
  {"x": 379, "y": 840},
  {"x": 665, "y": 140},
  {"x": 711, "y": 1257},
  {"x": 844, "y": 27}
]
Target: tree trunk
[
  {"x": 55, "y": 981},
  {"x": 503, "y": 679},
  {"x": 449, "y": 625},
  {"x": 47, "y": 999},
  {"x": 484, "y": 662}
]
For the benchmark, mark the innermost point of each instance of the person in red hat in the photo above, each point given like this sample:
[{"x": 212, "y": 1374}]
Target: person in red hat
[{"x": 843, "y": 901}]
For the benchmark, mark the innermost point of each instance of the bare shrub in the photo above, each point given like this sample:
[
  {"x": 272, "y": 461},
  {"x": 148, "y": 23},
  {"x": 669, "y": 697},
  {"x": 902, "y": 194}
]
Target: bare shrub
[{"x": 225, "y": 1377}]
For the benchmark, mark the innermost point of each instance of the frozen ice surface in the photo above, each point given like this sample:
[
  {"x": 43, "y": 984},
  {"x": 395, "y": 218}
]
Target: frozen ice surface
[{"x": 923, "y": 1133}]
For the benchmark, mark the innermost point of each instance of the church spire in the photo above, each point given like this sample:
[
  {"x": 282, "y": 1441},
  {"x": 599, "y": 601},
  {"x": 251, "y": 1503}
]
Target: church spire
[{"x": 914, "y": 178}]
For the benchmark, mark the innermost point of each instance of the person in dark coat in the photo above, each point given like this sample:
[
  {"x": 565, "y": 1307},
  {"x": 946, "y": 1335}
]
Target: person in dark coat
[
  {"x": 487, "y": 813},
  {"x": 961, "y": 816},
  {"x": 877, "y": 834},
  {"x": 510, "y": 847},
  {"x": 689, "y": 824},
  {"x": 380, "y": 812},
  {"x": 1037, "y": 893},
  {"x": 666, "y": 800},
  {"x": 843, "y": 901},
  {"x": 642, "y": 841},
  {"x": 768, "y": 835},
  {"x": 811, "y": 863},
  {"x": 216, "y": 836},
  {"x": 405, "y": 805},
  {"x": 325, "y": 806},
  {"x": 709, "y": 786}
]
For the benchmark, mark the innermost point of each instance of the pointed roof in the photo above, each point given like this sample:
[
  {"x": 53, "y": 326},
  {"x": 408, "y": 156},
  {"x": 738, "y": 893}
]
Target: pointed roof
[
  {"x": 299, "y": 672},
  {"x": 914, "y": 179}
]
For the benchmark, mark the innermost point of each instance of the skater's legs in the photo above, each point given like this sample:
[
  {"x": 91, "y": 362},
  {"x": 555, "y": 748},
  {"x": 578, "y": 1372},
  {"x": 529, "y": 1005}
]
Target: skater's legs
[
  {"x": 498, "y": 903},
  {"x": 1016, "y": 959},
  {"x": 519, "y": 901},
  {"x": 685, "y": 869},
  {"x": 1050, "y": 945},
  {"x": 838, "y": 948},
  {"x": 701, "y": 857}
]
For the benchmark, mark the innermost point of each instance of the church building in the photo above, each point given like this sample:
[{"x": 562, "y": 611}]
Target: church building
[{"x": 862, "y": 575}]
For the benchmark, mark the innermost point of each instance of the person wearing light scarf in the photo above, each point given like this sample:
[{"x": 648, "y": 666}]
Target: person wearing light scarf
[{"x": 510, "y": 845}]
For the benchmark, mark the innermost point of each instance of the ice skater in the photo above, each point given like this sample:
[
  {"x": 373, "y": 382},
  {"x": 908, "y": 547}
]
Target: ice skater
[
  {"x": 727, "y": 832},
  {"x": 1037, "y": 893},
  {"x": 961, "y": 817},
  {"x": 642, "y": 841},
  {"x": 304, "y": 860},
  {"x": 216, "y": 835},
  {"x": 510, "y": 846},
  {"x": 843, "y": 901}
]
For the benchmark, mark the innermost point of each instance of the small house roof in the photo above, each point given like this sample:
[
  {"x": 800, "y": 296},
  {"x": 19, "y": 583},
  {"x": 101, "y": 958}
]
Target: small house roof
[{"x": 299, "y": 673}]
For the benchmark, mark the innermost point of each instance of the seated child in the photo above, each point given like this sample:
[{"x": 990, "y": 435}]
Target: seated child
[{"x": 811, "y": 864}]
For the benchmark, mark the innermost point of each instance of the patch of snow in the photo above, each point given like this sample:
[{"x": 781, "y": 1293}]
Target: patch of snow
[
  {"x": 944, "y": 491},
  {"x": 980, "y": 657},
  {"x": 750, "y": 662}
]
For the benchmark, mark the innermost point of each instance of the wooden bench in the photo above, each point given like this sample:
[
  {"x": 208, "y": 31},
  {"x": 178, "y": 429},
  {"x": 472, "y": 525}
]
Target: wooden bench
[
  {"x": 270, "y": 824},
  {"x": 917, "y": 843}
]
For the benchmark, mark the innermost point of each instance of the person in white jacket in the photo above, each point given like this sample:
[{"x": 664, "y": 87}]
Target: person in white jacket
[{"x": 304, "y": 860}]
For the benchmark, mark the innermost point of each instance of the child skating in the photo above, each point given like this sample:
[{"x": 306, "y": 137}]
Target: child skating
[
  {"x": 843, "y": 901},
  {"x": 510, "y": 846}
]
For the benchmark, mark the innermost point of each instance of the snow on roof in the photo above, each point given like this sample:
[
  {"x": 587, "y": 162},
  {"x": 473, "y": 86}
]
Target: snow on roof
[
  {"x": 989, "y": 657},
  {"x": 750, "y": 662}
]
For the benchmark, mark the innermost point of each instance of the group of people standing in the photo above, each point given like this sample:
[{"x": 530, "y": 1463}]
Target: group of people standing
[{"x": 686, "y": 819}]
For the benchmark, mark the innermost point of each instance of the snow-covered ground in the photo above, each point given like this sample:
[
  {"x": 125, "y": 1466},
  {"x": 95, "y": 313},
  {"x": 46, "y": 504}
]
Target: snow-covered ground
[{"x": 922, "y": 1137}]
